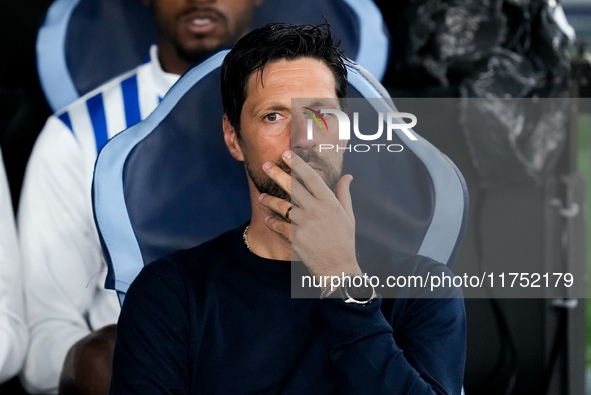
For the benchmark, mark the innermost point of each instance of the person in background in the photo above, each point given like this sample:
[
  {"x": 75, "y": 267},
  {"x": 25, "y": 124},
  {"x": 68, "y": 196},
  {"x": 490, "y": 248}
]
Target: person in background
[
  {"x": 68, "y": 309},
  {"x": 220, "y": 318},
  {"x": 14, "y": 335}
]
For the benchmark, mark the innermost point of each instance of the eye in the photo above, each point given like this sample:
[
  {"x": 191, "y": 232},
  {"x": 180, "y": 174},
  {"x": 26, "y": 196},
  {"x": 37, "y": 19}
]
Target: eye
[
  {"x": 319, "y": 113},
  {"x": 272, "y": 117}
]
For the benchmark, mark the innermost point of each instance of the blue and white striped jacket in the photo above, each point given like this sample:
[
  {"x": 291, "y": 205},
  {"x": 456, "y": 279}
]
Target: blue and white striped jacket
[{"x": 63, "y": 265}]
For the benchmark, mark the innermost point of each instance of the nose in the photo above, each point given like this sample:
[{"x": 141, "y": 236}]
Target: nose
[{"x": 300, "y": 139}]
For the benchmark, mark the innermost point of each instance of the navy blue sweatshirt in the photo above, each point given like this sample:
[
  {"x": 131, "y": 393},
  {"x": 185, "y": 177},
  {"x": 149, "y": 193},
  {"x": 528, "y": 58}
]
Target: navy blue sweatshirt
[{"x": 217, "y": 319}]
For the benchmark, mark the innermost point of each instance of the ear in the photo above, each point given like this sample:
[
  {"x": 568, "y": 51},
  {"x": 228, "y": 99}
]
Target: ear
[{"x": 231, "y": 139}]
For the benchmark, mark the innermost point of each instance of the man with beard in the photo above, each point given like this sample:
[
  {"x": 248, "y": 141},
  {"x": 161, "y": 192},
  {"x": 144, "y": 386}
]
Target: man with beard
[
  {"x": 219, "y": 318},
  {"x": 63, "y": 263}
]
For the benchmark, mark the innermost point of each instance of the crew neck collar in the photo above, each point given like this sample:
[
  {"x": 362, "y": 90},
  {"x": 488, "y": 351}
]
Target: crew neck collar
[{"x": 252, "y": 259}]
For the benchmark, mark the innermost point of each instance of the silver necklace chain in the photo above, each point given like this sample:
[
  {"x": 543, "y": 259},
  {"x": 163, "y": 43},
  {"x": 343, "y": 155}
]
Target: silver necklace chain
[{"x": 245, "y": 238}]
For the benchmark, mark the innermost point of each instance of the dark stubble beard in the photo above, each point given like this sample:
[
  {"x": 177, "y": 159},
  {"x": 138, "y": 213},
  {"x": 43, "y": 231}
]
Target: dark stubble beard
[
  {"x": 198, "y": 55},
  {"x": 266, "y": 185}
]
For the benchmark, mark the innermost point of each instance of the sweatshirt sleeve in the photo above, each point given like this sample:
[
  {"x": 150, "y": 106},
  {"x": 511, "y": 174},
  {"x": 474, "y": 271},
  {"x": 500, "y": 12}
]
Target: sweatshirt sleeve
[
  {"x": 61, "y": 256},
  {"x": 426, "y": 354},
  {"x": 151, "y": 354},
  {"x": 13, "y": 330}
]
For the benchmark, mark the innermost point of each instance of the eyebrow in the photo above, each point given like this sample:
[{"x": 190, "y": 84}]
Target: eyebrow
[
  {"x": 324, "y": 103},
  {"x": 275, "y": 107},
  {"x": 280, "y": 107}
]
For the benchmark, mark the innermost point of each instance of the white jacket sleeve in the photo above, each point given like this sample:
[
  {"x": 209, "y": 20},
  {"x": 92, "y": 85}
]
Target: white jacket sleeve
[
  {"x": 63, "y": 266},
  {"x": 13, "y": 330}
]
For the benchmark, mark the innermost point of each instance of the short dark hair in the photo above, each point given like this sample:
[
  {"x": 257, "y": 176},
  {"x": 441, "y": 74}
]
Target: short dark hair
[{"x": 273, "y": 42}]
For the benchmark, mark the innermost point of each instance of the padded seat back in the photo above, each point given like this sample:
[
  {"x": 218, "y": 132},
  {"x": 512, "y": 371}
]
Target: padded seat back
[{"x": 84, "y": 43}]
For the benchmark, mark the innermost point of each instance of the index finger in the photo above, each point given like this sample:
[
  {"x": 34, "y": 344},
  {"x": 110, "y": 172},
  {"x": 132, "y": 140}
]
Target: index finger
[{"x": 311, "y": 179}]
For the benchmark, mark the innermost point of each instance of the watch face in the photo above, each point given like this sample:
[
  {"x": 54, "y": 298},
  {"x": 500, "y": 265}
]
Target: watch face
[
  {"x": 359, "y": 290},
  {"x": 362, "y": 293}
]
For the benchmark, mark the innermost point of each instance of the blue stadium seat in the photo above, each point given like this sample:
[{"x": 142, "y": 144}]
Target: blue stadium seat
[
  {"x": 169, "y": 182},
  {"x": 84, "y": 43}
]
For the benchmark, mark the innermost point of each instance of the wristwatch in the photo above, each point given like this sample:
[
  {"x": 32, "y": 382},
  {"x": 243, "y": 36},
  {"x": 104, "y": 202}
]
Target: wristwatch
[{"x": 356, "y": 288}]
